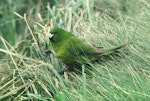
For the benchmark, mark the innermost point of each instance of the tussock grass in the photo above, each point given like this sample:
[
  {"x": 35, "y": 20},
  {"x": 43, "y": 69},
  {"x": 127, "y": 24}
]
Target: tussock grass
[{"x": 28, "y": 74}]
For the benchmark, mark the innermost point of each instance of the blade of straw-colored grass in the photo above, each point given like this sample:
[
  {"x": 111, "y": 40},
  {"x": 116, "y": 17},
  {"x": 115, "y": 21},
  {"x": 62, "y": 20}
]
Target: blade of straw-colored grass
[
  {"x": 84, "y": 81},
  {"x": 15, "y": 90}
]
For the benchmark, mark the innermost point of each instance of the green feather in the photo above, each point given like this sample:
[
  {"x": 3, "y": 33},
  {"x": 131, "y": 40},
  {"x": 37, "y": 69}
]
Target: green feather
[
  {"x": 112, "y": 50},
  {"x": 73, "y": 51}
]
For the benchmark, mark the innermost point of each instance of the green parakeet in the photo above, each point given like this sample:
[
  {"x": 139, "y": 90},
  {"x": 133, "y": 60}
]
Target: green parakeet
[{"x": 72, "y": 51}]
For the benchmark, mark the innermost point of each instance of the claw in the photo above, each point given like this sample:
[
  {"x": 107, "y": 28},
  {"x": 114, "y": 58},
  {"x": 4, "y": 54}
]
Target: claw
[
  {"x": 62, "y": 71},
  {"x": 48, "y": 52}
]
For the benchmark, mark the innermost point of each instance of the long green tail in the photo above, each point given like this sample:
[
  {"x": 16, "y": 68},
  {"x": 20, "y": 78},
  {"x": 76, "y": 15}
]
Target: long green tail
[{"x": 112, "y": 50}]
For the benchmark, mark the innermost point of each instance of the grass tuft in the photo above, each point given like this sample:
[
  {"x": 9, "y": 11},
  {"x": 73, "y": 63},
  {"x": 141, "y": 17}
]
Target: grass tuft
[{"x": 27, "y": 73}]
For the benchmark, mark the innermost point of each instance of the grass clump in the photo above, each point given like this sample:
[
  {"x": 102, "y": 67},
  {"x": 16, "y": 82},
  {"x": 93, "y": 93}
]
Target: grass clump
[{"x": 26, "y": 73}]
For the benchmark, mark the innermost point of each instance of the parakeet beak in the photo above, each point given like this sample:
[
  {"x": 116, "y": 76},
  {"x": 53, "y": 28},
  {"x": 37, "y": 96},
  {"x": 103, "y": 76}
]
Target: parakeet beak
[{"x": 51, "y": 36}]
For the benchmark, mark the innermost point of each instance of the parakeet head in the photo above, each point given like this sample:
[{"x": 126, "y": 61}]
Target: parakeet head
[{"x": 58, "y": 34}]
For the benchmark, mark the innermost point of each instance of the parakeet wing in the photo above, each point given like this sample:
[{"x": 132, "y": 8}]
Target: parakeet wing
[{"x": 78, "y": 47}]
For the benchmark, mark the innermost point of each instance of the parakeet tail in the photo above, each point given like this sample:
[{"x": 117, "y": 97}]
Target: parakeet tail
[{"x": 112, "y": 50}]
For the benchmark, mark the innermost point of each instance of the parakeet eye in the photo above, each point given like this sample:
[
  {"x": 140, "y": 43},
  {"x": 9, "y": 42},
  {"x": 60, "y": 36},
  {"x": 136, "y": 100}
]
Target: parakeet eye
[{"x": 51, "y": 36}]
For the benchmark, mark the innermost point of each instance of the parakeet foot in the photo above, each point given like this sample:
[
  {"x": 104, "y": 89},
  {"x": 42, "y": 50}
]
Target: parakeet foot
[
  {"x": 62, "y": 71},
  {"x": 48, "y": 52}
]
